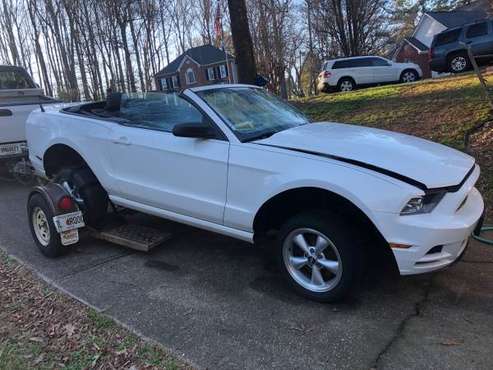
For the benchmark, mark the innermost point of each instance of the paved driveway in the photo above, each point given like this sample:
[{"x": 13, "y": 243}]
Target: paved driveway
[{"x": 223, "y": 305}]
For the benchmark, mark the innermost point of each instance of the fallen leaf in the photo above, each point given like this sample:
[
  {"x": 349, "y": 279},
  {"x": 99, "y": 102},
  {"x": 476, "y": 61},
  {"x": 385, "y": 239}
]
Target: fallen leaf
[{"x": 69, "y": 329}]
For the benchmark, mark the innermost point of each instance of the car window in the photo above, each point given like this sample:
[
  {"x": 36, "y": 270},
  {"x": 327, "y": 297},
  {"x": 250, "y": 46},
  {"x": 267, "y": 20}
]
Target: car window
[
  {"x": 476, "y": 30},
  {"x": 15, "y": 80},
  {"x": 347, "y": 63},
  {"x": 252, "y": 113},
  {"x": 157, "y": 111},
  {"x": 447, "y": 37},
  {"x": 378, "y": 62},
  {"x": 353, "y": 63}
]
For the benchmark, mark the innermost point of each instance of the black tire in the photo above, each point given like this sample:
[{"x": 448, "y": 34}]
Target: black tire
[
  {"x": 50, "y": 246},
  {"x": 409, "y": 75},
  {"x": 86, "y": 187},
  {"x": 458, "y": 62},
  {"x": 349, "y": 250},
  {"x": 346, "y": 84}
]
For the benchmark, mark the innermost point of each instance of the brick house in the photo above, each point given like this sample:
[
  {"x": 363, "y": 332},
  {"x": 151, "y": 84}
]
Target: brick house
[
  {"x": 202, "y": 65},
  {"x": 415, "y": 48}
]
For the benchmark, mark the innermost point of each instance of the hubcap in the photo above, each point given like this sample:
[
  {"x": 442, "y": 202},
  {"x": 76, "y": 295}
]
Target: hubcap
[
  {"x": 312, "y": 260},
  {"x": 458, "y": 64},
  {"x": 346, "y": 86},
  {"x": 41, "y": 226},
  {"x": 409, "y": 77}
]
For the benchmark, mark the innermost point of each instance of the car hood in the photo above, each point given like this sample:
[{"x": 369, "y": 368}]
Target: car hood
[{"x": 430, "y": 164}]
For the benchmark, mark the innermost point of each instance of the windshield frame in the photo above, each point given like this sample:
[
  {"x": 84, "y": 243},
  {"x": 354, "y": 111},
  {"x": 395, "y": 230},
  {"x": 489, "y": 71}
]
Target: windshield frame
[{"x": 244, "y": 138}]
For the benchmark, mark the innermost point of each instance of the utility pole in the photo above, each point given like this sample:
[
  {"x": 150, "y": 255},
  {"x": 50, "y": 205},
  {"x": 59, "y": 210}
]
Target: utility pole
[{"x": 242, "y": 42}]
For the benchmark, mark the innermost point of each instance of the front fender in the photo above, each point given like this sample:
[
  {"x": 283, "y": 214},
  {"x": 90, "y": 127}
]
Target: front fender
[{"x": 278, "y": 172}]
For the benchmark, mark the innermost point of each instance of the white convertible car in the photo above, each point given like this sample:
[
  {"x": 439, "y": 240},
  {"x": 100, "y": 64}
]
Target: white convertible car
[{"x": 235, "y": 160}]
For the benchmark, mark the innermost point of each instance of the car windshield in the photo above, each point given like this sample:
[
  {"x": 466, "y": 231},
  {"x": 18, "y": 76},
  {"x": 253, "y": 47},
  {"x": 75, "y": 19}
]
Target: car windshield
[{"x": 252, "y": 113}]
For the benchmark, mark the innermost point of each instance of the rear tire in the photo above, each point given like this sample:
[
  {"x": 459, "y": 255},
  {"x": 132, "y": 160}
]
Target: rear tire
[
  {"x": 88, "y": 192},
  {"x": 44, "y": 233},
  {"x": 346, "y": 84},
  {"x": 459, "y": 62},
  {"x": 319, "y": 255}
]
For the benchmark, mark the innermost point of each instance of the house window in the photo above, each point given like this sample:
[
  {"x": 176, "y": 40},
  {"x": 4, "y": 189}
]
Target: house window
[
  {"x": 210, "y": 73},
  {"x": 174, "y": 82},
  {"x": 190, "y": 76},
  {"x": 223, "y": 71},
  {"x": 164, "y": 85}
]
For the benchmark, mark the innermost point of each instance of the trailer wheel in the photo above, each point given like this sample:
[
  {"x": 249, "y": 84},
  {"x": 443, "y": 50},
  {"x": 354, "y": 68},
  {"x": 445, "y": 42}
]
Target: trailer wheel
[
  {"x": 40, "y": 216},
  {"x": 85, "y": 188}
]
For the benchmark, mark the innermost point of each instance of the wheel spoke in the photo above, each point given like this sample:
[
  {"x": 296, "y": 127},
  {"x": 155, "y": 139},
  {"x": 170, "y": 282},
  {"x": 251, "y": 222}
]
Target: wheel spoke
[
  {"x": 301, "y": 242},
  {"x": 298, "y": 262},
  {"x": 321, "y": 244},
  {"x": 317, "y": 278},
  {"x": 332, "y": 266}
]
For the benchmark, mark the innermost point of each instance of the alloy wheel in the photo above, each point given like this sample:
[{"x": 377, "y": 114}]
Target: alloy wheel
[
  {"x": 458, "y": 63},
  {"x": 346, "y": 86},
  {"x": 408, "y": 77},
  {"x": 312, "y": 260}
]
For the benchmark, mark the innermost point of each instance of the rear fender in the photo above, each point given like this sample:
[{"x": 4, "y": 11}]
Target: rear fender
[{"x": 53, "y": 193}]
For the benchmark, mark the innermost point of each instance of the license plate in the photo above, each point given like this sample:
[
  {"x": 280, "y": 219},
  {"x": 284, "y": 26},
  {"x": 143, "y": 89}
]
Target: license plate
[
  {"x": 68, "y": 221},
  {"x": 11, "y": 149},
  {"x": 69, "y": 237}
]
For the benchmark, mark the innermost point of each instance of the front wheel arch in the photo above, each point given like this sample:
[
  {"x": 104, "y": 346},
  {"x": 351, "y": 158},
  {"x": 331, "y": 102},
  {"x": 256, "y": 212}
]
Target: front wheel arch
[{"x": 287, "y": 203}]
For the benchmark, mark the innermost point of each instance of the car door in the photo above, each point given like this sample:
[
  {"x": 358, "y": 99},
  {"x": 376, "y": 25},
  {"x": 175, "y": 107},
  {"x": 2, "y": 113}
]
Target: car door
[
  {"x": 153, "y": 167},
  {"x": 383, "y": 70},
  {"x": 480, "y": 38}
]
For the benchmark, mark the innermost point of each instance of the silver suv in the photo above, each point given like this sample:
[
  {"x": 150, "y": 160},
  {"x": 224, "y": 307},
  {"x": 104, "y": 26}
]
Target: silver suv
[{"x": 348, "y": 73}]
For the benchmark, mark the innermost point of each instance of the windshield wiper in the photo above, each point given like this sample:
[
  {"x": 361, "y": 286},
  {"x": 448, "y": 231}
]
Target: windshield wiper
[{"x": 263, "y": 135}]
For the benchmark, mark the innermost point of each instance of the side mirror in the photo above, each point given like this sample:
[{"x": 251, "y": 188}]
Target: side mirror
[{"x": 194, "y": 130}]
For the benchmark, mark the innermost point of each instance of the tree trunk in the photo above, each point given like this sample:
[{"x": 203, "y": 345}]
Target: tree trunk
[{"x": 242, "y": 41}]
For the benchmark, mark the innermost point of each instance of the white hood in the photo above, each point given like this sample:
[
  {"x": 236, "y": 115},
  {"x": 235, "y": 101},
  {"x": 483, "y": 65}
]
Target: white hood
[{"x": 431, "y": 164}]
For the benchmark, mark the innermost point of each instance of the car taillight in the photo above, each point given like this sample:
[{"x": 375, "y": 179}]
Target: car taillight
[
  {"x": 65, "y": 203},
  {"x": 326, "y": 74}
]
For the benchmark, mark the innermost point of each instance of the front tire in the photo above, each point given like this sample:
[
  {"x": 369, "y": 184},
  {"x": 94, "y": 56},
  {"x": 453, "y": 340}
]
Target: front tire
[
  {"x": 44, "y": 233},
  {"x": 319, "y": 256},
  {"x": 458, "y": 63},
  {"x": 409, "y": 75},
  {"x": 85, "y": 188}
]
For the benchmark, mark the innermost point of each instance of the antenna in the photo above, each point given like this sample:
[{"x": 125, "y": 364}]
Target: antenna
[{"x": 41, "y": 107}]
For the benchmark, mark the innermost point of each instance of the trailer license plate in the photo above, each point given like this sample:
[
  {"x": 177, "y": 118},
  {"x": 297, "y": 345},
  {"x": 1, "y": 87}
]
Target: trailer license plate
[
  {"x": 69, "y": 237},
  {"x": 11, "y": 149},
  {"x": 69, "y": 221}
]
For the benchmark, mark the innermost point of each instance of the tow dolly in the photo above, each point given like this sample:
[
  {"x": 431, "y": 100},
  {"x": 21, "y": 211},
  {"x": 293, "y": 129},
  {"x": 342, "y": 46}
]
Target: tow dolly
[{"x": 55, "y": 220}]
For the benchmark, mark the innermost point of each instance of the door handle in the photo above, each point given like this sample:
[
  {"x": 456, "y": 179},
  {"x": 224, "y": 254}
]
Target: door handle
[
  {"x": 122, "y": 140},
  {"x": 5, "y": 113}
]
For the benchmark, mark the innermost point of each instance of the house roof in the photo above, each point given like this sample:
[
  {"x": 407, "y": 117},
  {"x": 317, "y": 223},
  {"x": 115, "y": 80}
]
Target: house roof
[
  {"x": 416, "y": 43},
  {"x": 203, "y": 55},
  {"x": 455, "y": 18}
]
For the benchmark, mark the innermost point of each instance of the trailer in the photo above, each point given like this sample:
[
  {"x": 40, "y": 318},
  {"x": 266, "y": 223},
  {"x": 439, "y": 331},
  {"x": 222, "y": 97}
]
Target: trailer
[{"x": 56, "y": 220}]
